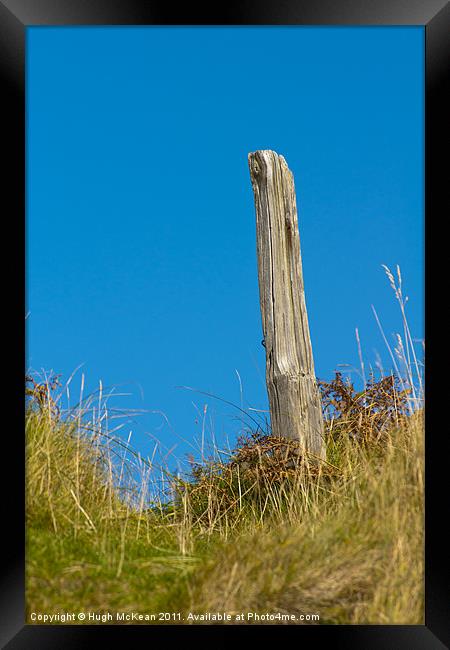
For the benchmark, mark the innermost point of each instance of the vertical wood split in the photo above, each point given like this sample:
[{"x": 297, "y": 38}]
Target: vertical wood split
[{"x": 295, "y": 407}]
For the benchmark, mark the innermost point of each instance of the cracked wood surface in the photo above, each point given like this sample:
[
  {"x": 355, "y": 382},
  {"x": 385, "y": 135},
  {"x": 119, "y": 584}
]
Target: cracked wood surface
[{"x": 295, "y": 408}]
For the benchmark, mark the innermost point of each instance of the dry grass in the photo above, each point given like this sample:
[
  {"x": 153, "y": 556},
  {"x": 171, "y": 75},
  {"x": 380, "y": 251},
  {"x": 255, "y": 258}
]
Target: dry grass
[
  {"x": 268, "y": 530},
  {"x": 350, "y": 549}
]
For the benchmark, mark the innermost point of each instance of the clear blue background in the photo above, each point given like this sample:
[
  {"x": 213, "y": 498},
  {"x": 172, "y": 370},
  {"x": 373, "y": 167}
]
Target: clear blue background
[{"x": 141, "y": 253}]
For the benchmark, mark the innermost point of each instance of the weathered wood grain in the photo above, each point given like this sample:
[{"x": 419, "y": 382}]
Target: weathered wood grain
[{"x": 295, "y": 408}]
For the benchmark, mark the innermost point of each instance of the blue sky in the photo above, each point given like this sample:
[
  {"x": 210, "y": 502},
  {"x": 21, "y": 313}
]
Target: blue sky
[{"x": 141, "y": 252}]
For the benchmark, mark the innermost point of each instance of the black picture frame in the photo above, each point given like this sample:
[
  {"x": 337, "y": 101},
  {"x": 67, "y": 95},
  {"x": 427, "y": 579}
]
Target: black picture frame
[{"x": 15, "y": 17}]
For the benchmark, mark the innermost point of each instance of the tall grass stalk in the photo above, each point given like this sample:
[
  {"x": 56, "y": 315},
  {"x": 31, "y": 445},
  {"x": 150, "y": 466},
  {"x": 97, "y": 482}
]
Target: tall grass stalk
[{"x": 261, "y": 527}]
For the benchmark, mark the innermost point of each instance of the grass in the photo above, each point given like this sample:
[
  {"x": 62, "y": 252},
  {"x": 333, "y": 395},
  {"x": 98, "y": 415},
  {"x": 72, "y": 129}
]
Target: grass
[
  {"x": 258, "y": 532},
  {"x": 349, "y": 548},
  {"x": 86, "y": 546},
  {"x": 268, "y": 530}
]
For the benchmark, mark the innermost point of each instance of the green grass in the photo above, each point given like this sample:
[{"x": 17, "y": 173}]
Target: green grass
[
  {"x": 85, "y": 547},
  {"x": 343, "y": 539}
]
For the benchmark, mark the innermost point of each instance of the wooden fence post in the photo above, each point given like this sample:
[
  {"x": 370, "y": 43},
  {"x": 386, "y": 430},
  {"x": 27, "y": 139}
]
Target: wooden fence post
[{"x": 295, "y": 408}]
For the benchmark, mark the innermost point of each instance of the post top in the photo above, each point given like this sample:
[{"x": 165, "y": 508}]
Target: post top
[
  {"x": 264, "y": 152},
  {"x": 266, "y": 159}
]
